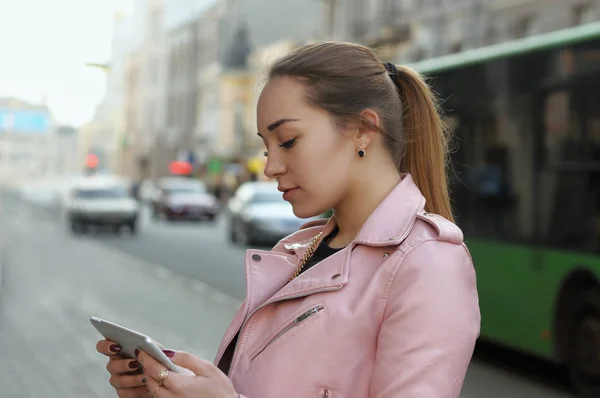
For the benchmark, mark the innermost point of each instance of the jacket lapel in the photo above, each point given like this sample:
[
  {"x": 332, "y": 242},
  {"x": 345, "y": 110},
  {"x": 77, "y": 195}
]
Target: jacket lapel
[{"x": 268, "y": 272}]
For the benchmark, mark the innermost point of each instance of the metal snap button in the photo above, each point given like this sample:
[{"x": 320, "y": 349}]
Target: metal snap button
[
  {"x": 386, "y": 255},
  {"x": 256, "y": 257}
]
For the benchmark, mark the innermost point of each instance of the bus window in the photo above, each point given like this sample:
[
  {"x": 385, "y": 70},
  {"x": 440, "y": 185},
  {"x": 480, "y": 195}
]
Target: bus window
[
  {"x": 568, "y": 186},
  {"x": 494, "y": 132}
]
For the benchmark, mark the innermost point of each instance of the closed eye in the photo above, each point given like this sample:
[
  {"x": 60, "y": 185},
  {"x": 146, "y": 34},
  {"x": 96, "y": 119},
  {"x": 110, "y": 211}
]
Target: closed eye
[{"x": 288, "y": 144}]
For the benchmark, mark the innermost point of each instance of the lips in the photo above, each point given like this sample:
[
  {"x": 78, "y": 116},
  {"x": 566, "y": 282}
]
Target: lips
[
  {"x": 288, "y": 193},
  {"x": 284, "y": 189}
]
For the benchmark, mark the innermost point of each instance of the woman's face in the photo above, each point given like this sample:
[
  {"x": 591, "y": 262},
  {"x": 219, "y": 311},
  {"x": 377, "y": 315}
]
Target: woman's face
[{"x": 312, "y": 160}]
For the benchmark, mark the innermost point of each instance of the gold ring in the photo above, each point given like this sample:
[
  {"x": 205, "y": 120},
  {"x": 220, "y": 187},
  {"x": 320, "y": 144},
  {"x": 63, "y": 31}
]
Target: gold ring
[{"x": 163, "y": 374}]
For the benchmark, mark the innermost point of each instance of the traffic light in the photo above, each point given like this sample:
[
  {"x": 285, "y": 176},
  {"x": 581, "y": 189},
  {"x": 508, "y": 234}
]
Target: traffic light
[
  {"x": 91, "y": 161},
  {"x": 180, "y": 168}
]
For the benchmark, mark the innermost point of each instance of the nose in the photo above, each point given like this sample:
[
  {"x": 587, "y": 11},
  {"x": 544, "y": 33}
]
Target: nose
[{"x": 275, "y": 165}]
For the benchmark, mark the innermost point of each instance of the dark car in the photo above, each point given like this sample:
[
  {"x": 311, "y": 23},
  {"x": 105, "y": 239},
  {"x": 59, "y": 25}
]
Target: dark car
[
  {"x": 259, "y": 215},
  {"x": 183, "y": 199}
]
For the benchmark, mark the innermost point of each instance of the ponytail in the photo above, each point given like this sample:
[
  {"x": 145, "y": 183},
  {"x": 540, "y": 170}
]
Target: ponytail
[{"x": 425, "y": 141}]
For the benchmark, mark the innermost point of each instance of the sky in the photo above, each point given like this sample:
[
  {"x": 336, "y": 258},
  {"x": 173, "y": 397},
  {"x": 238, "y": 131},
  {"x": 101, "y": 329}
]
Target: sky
[{"x": 44, "y": 46}]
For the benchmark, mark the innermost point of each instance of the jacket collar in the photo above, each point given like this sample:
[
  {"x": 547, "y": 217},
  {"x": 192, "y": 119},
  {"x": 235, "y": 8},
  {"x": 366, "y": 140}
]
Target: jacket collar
[
  {"x": 392, "y": 220},
  {"x": 388, "y": 225}
]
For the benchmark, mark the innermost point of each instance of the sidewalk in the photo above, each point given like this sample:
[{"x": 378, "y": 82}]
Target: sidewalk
[{"x": 53, "y": 283}]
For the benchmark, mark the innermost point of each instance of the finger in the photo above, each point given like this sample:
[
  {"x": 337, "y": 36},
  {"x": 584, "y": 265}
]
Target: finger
[
  {"x": 137, "y": 392},
  {"x": 199, "y": 366},
  {"x": 117, "y": 366},
  {"x": 121, "y": 382},
  {"x": 108, "y": 347},
  {"x": 156, "y": 389},
  {"x": 152, "y": 368}
]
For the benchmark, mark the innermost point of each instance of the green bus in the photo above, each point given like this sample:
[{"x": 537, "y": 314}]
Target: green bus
[{"x": 526, "y": 122}]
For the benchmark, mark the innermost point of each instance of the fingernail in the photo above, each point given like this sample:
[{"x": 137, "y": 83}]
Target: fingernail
[
  {"x": 136, "y": 352},
  {"x": 144, "y": 380},
  {"x": 115, "y": 348},
  {"x": 134, "y": 364},
  {"x": 169, "y": 353}
]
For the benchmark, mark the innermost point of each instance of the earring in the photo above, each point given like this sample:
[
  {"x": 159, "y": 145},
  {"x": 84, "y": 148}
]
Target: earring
[{"x": 361, "y": 152}]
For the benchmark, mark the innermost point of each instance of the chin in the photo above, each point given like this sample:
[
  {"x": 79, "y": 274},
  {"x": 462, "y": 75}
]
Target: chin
[{"x": 301, "y": 211}]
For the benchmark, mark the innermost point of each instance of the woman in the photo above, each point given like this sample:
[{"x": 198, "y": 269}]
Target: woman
[{"x": 378, "y": 301}]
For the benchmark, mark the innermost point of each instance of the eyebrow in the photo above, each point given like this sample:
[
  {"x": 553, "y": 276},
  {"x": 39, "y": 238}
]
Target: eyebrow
[{"x": 278, "y": 123}]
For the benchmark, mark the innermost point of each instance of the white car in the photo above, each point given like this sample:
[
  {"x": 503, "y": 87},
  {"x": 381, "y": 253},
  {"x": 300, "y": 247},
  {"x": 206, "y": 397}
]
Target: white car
[
  {"x": 101, "y": 201},
  {"x": 258, "y": 215}
]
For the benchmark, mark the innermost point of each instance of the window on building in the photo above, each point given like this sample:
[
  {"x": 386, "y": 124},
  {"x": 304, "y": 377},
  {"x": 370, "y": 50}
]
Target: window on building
[
  {"x": 456, "y": 47},
  {"x": 582, "y": 13},
  {"x": 525, "y": 26},
  {"x": 490, "y": 34}
]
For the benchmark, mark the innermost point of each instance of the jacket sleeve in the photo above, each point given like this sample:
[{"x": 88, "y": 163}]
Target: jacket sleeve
[{"x": 431, "y": 321}]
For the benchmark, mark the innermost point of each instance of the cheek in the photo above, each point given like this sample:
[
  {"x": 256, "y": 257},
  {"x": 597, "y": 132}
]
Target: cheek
[{"x": 324, "y": 167}]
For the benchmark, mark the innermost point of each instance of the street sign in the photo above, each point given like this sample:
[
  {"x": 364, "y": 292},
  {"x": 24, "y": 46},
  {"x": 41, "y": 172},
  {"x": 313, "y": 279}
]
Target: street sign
[{"x": 24, "y": 121}]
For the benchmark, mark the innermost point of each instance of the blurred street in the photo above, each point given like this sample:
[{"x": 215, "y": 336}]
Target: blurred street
[
  {"x": 197, "y": 250},
  {"x": 53, "y": 282}
]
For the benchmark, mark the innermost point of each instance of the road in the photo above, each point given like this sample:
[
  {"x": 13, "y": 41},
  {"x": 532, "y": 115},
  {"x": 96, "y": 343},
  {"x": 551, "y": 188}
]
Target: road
[
  {"x": 195, "y": 250},
  {"x": 53, "y": 282}
]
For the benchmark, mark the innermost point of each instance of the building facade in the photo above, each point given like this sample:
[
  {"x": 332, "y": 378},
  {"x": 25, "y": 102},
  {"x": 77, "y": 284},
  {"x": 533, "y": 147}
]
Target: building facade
[
  {"x": 104, "y": 134},
  {"x": 145, "y": 86},
  {"x": 412, "y": 30},
  {"x": 181, "y": 92},
  {"x": 153, "y": 84},
  {"x": 68, "y": 160},
  {"x": 247, "y": 28},
  {"x": 207, "y": 130},
  {"x": 178, "y": 96},
  {"x": 28, "y": 145}
]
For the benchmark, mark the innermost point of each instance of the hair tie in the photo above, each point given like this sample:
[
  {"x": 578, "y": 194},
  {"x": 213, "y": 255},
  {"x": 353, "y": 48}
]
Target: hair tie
[{"x": 391, "y": 69}]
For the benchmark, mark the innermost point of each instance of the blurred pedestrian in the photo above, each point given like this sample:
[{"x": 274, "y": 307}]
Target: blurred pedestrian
[{"x": 378, "y": 301}]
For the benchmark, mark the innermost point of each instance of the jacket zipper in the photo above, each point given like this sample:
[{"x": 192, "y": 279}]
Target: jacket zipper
[
  {"x": 290, "y": 326},
  {"x": 305, "y": 294},
  {"x": 300, "y": 295}
]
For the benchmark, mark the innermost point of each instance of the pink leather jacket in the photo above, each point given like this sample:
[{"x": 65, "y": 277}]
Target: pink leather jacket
[{"x": 394, "y": 314}]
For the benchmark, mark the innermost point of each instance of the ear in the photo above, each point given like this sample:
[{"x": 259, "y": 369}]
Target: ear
[{"x": 367, "y": 129}]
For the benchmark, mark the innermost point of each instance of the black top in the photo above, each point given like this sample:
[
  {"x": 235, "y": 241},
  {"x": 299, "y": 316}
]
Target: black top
[{"x": 321, "y": 253}]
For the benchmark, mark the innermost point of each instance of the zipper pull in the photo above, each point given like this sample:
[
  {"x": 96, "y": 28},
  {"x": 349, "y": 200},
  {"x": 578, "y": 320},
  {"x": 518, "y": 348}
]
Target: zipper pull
[{"x": 308, "y": 313}]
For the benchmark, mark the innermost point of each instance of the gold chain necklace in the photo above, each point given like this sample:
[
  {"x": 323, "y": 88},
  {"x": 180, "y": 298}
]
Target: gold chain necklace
[{"x": 307, "y": 255}]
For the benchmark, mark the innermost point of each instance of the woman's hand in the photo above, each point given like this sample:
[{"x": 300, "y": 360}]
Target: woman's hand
[
  {"x": 208, "y": 382},
  {"x": 122, "y": 377}
]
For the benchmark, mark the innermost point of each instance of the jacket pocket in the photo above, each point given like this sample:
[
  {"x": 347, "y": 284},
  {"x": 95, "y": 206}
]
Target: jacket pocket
[{"x": 305, "y": 316}]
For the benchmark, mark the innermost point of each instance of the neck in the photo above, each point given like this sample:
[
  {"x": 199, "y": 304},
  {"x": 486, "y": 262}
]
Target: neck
[{"x": 356, "y": 207}]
